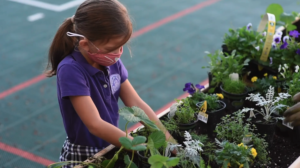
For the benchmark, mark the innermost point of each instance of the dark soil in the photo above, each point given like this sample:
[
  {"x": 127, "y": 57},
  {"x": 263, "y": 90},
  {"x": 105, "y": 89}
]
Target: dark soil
[{"x": 283, "y": 153}]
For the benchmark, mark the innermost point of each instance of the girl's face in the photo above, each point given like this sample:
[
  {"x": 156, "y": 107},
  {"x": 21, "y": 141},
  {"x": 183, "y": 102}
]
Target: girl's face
[{"x": 98, "y": 47}]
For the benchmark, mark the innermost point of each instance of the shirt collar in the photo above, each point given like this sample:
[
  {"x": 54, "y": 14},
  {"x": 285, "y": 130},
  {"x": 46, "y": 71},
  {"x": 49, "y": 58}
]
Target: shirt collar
[{"x": 81, "y": 60}]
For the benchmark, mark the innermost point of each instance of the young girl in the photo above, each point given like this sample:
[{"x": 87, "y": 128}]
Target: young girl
[{"x": 85, "y": 56}]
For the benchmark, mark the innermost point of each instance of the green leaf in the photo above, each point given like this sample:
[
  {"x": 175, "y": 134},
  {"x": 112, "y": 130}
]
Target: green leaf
[
  {"x": 173, "y": 161},
  {"x": 127, "y": 162},
  {"x": 225, "y": 163},
  {"x": 275, "y": 9},
  {"x": 157, "y": 165},
  {"x": 139, "y": 148},
  {"x": 138, "y": 140},
  {"x": 158, "y": 138},
  {"x": 59, "y": 164},
  {"x": 157, "y": 158},
  {"x": 150, "y": 124},
  {"x": 291, "y": 27},
  {"x": 133, "y": 114},
  {"x": 151, "y": 147},
  {"x": 105, "y": 163},
  {"x": 287, "y": 18},
  {"x": 126, "y": 142}
]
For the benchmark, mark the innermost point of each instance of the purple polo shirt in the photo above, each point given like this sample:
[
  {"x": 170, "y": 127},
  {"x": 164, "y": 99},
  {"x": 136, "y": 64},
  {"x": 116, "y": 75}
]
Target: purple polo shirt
[{"x": 76, "y": 77}]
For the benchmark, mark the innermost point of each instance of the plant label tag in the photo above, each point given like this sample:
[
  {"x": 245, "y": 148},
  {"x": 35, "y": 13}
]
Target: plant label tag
[
  {"x": 203, "y": 117},
  {"x": 252, "y": 114},
  {"x": 287, "y": 124},
  {"x": 247, "y": 139}
]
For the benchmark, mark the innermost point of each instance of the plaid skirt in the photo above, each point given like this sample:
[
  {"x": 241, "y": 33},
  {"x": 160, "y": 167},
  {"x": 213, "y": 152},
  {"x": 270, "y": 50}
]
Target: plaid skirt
[{"x": 73, "y": 152}]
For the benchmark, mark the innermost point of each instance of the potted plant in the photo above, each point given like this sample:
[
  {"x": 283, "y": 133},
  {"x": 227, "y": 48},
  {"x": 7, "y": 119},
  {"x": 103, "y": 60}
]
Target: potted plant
[
  {"x": 222, "y": 66},
  {"x": 266, "y": 121},
  {"x": 211, "y": 111},
  {"x": 235, "y": 92},
  {"x": 235, "y": 156},
  {"x": 235, "y": 129}
]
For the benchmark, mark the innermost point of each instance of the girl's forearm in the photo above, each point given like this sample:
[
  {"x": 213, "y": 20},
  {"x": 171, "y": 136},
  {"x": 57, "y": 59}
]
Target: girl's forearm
[{"x": 109, "y": 133}]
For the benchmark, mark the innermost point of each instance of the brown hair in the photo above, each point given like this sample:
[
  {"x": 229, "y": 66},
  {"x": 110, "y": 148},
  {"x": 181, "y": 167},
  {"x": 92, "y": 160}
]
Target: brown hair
[{"x": 96, "y": 20}]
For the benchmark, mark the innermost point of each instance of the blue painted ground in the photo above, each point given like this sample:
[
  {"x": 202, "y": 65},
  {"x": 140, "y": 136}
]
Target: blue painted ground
[{"x": 163, "y": 60}]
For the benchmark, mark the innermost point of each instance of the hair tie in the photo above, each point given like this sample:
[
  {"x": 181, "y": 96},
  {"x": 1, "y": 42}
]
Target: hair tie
[{"x": 72, "y": 19}]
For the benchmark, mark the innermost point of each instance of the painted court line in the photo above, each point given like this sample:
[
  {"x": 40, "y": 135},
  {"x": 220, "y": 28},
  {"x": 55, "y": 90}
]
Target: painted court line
[
  {"x": 25, "y": 154},
  {"x": 36, "y": 79},
  {"x": 48, "y": 6},
  {"x": 35, "y": 17}
]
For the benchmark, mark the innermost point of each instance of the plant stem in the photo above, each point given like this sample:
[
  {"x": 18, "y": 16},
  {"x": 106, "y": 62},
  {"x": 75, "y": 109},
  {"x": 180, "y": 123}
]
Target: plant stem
[
  {"x": 126, "y": 128},
  {"x": 117, "y": 154},
  {"x": 131, "y": 159}
]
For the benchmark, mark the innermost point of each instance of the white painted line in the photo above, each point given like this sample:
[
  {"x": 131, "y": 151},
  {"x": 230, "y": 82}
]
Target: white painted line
[
  {"x": 48, "y": 6},
  {"x": 35, "y": 17}
]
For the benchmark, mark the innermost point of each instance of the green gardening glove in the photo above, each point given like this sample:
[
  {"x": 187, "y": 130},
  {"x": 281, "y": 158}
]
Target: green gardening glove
[{"x": 292, "y": 114}]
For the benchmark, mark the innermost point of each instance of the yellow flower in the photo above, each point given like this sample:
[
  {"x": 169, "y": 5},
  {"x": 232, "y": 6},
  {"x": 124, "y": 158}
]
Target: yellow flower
[
  {"x": 241, "y": 166},
  {"x": 228, "y": 165},
  {"x": 266, "y": 74},
  {"x": 254, "y": 79},
  {"x": 274, "y": 77},
  {"x": 253, "y": 152},
  {"x": 241, "y": 144},
  {"x": 220, "y": 95}
]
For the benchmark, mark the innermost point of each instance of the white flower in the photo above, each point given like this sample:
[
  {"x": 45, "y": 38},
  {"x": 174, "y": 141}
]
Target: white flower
[
  {"x": 190, "y": 96},
  {"x": 297, "y": 68},
  {"x": 264, "y": 33},
  {"x": 279, "y": 68},
  {"x": 285, "y": 65},
  {"x": 285, "y": 38},
  {"x": 257, "y": 48},
  {"x": 180, "y": 102},
  {"x": 261, "y": 40},
  {"x": 279, "y": 33}
]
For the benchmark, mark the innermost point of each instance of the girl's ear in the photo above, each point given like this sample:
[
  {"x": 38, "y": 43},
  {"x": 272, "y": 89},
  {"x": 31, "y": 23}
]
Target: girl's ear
[{"x": 83, "y": 44}]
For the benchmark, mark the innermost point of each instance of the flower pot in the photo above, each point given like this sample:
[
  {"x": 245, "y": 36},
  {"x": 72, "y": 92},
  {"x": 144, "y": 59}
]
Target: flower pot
[
  {"x": 188, "y": 126},
  {"x": 214, "y": 117},
  {"x": 267, "y": 129},
  {"x": 234, "y": 102},
  {"x": 142, "y": 160}
]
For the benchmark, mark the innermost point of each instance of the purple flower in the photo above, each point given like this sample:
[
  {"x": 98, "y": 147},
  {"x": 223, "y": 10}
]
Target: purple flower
[
  {"x": 271, "y": 60},
  {"x": 187, "y": 86},
  {"x": 294, "y": 33},
  {"x": 199, "y": 86},
  {"x": 274, "y": 45},
  {"x": 298, "y": 51},
  {"x": 277, "y": 39},
  {"x": 249, "y": 26},
  {"x": 284, "y": 45},
  {"x": 190, "y": 88}
]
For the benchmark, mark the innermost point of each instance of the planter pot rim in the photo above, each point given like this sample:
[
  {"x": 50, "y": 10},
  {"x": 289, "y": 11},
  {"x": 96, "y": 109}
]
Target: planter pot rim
[
  {"x": 233, "y": 94},
  {"x": 213, "y": 111}
]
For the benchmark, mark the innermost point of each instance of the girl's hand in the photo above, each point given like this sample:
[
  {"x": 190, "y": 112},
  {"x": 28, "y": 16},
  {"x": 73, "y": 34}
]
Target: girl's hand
[{"x": 292, "y": 114}]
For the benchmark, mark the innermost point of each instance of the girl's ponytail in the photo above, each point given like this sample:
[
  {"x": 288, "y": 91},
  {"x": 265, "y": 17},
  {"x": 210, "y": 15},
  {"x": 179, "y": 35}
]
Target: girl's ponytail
[{"x": 61, "y": 46}]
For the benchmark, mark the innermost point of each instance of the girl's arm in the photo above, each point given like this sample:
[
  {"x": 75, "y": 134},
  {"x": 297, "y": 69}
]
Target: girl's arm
[
  {"x": 130, "y": 98},
  {"x": 88, "y": 113}
]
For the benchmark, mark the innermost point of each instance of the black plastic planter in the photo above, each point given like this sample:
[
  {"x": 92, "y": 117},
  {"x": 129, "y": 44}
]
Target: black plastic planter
[
  {"x": 234, "y": 102},
  {"x": 214, "y": 117},
  {"x": 142, "y": 160},
  {"x": 267, "y": 129},
  {"x": 294, "y": 135}
]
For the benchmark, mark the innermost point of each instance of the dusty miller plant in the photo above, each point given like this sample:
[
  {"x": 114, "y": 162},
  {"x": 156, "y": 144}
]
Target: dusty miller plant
[
  {"x": 190, "y": 156},
  {"x": 269, "y": 105}
]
